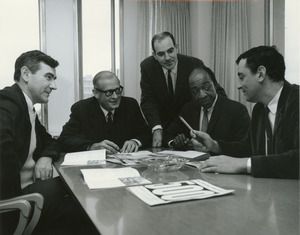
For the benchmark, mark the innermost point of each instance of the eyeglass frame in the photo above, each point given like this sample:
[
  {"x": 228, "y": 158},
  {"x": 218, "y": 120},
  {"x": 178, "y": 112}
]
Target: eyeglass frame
[{"x": 110, "y": 92}]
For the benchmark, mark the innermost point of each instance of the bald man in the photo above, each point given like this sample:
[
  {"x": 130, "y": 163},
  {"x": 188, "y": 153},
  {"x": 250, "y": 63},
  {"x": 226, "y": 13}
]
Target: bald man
[{"x": 107, "y": 120}]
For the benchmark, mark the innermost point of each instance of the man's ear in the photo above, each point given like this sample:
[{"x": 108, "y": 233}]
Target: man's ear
[
  {"x": 261, "y": 71},
  {"x": 25, "y": 72},
  {"x": 96, "y": 94},
  {"x": 154, "y": 55}
]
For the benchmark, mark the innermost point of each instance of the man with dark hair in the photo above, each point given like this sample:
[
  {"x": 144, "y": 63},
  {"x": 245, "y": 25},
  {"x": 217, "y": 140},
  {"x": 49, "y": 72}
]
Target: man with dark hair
[
  {"x": 271, "y": 147},
  {"x": 221, "y": 118},
  {"x": 27, "y": 150},
  {"x": 164, "y": 84},
  {"x": 105, "y": 121}
]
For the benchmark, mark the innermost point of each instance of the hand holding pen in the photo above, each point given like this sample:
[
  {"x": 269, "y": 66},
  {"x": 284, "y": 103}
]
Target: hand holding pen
[{"x": 201, "y": 140}]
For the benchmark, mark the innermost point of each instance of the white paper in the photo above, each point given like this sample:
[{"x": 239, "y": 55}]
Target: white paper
[
  {"x": 156, "y": 194},
  {"x": 186, "y": 154},
  {"x": 133, "y": 156},
  {"x": 112, "y": 177},
  {"x": 94, "y": 157}
]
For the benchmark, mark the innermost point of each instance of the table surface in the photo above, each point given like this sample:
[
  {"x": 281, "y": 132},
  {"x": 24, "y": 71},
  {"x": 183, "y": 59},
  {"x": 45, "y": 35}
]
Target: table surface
[{"x": 258, "y": 206}]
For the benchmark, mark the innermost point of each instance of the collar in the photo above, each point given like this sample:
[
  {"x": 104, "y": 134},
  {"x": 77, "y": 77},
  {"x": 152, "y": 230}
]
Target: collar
[
  {"x": 173, "y": 70},
  {"x": 106, "y": 112},
  {"x": 213, "y": 105},
  {"x": 29, "y": 102},
  {"x": 274, "y": 102}
]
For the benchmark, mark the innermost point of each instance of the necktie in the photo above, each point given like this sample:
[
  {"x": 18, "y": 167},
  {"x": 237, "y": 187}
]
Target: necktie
[
  {"x": 170, "y": 87},
  {"x": 109, "y": 118},
  {"x": 269, "y": 135},
  {"x": 204, "y": 121}
]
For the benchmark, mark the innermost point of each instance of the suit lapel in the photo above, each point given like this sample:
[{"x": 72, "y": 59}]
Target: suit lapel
[
  {"x": 215, "y": 114},
  {"x": 279, "y": 113}
]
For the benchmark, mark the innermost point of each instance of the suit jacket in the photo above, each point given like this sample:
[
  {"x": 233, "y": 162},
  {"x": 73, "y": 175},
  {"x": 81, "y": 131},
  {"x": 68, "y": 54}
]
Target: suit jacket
[
  {"x": 229, "y": 121},
  {"x": 284, "y": 163},
  {"x": 154, "y": 98},
  {"x": 87, "y": 125},
  {"x": 15, "y": 131}
]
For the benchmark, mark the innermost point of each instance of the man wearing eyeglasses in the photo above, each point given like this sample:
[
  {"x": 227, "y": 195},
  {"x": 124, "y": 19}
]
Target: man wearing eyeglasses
[{"x": 107, "y": 120}]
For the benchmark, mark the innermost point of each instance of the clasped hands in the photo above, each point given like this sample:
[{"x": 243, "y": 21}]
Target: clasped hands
[{"x": 111, "y": 148}]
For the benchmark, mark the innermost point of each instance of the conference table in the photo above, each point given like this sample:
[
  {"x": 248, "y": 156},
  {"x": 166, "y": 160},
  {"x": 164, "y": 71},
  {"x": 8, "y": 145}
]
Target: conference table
[{"x": 257, "y": 205}]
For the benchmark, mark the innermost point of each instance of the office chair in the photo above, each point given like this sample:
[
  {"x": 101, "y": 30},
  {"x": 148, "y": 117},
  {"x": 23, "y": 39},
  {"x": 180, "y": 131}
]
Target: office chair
[{"x": 22, "y": 203}]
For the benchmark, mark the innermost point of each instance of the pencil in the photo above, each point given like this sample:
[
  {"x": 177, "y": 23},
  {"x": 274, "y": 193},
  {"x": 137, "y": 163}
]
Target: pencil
[{"x": 185, "y": 123}]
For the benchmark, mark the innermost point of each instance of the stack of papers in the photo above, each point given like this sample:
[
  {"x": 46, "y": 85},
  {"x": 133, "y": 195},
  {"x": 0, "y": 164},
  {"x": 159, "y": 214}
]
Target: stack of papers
[
  {"x": 94, "y": 157},
  {"x": 132, "y": 159},
  {"x": 112, "y": 177},
  {"x": 156, "y": 194}
]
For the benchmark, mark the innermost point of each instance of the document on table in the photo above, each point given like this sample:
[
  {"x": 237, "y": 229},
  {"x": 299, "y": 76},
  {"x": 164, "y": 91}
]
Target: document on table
[
  {"x": 129, "y": 159},
  {"x": 94, "y": 157},
  {"x": 112, "y": 177},
  {"x": 156, "y": 194},
  {"x": 191, "y": 154}
]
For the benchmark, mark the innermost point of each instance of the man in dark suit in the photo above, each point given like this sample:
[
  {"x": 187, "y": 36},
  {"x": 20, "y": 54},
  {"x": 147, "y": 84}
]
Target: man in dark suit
[
  {"x": 105, "y": 121},
  {"x": 164, "y": 84},
  {"x": 220, "y": 117},
  {"x": 271, "y": 147},
  {"x": 27, "y": 150}
]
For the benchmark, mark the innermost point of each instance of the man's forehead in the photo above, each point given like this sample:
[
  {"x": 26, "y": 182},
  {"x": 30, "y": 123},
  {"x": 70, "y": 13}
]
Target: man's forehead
[{"x": 161, "y": 44}]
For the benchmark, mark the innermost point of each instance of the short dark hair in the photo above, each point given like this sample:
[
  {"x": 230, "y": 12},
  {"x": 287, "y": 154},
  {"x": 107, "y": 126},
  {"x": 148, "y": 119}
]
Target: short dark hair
[
  {"x": 210, "y": 73},
  {"x": 32, "y": 59},
  {"x": 267, "y": 56},
  {"x": 161, "y": 36}
]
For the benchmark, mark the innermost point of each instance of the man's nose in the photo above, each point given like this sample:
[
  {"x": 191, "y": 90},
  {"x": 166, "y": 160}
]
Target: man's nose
[
  {"x": 167, "y": 56},
  {"x": 202, "y": 93},
  {"x": 114, "y": 94},
  {"x": 53, "y": 85}
]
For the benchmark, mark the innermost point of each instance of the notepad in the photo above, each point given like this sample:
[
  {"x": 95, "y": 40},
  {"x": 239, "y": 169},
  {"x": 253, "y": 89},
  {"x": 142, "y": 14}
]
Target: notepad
[
  {"x": 112, "y": 177},
  {"x": 94, "y": 157}
]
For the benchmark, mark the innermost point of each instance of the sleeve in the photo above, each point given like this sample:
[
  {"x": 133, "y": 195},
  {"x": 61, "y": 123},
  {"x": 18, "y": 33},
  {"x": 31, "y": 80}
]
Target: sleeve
[
  {"x": 149, "y": 102},
  {"x": 142, "y": 130},
  {"x": 177, "y": 127},
  {"x": 10, "y": 184},
  {"x": 71, "y": 139},
  {"x": 48, "y": 146}
]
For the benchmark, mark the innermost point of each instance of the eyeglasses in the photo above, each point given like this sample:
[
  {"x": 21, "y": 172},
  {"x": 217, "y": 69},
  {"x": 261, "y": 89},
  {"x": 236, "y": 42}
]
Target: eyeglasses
[{"x": 109, "y": 93}]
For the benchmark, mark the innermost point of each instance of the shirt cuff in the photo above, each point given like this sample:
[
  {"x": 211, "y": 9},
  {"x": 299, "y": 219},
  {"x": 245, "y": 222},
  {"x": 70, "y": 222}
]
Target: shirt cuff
[
  {"x": 156, "y": 128},
  {"x": 249, "y": 166},
  {"x": 170, "y": 144}
]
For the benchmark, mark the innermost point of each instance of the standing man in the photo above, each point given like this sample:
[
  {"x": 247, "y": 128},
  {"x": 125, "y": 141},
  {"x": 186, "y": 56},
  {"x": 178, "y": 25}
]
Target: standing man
[
  {"x": 27, "y": 150},
  {"x": 220, "y": 117},
  {"x": 105, "y": 121},
  {"x": 164, "y": 84},
  {"x": 271, "y": 148}
]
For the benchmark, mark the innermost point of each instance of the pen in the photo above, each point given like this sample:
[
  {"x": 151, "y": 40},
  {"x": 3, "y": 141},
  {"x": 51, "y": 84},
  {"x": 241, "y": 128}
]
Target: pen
[{"x": 186, "y": 124}]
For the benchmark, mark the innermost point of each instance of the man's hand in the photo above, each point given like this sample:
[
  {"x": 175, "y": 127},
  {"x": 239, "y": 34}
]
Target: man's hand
[
  {"x": 157, "y": 138},
  {"x": 110, "y": 146},
  {"x": 225, "y": 164},
  {"x": 180, "y": 142},
  {"x": 204, "y": 143},
  {"x": 130, "y": 146},
  {"x": 43, "y": 168}
]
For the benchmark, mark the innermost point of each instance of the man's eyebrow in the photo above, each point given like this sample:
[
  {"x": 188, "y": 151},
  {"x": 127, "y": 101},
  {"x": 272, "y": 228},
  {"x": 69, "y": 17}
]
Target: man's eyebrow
[{"x": 51, "y": 74}]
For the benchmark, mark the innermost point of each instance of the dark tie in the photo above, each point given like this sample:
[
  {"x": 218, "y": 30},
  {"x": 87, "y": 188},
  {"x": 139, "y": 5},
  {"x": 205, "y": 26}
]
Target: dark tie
[
  {"x": 109, "y": 118},
  {"x": 204, "y": 121},
  {"x": 170, "y": 86},
  {"x": 268, "y": 131}
]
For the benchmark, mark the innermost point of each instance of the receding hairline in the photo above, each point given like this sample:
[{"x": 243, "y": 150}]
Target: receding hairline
[{"x": 104, "y": 75}]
